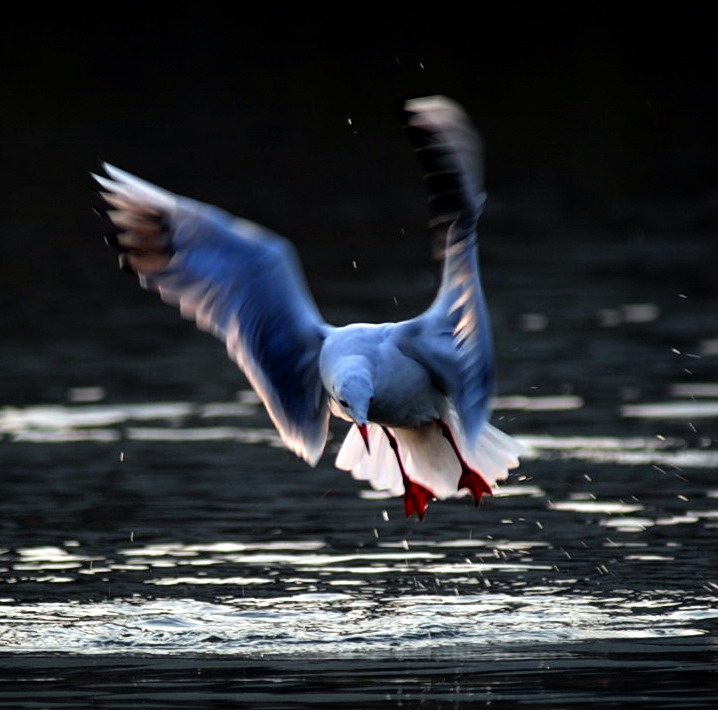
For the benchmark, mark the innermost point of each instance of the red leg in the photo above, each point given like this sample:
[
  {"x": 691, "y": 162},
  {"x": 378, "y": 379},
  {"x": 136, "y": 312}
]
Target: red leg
[
  {"x": 469, "y": 478},
  {"x": 416, "y": 496}
]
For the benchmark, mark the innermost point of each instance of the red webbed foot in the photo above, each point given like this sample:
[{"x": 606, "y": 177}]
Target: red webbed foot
[
  {"x": 470, "y": 479},
  {"x": 476, "y": 484},
  {"x": 416, "y": 498}
]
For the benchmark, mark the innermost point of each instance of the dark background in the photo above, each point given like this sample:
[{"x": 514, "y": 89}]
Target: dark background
[
  {"x": 597, "y": 115},
  {"x": 600, "y": 126}
]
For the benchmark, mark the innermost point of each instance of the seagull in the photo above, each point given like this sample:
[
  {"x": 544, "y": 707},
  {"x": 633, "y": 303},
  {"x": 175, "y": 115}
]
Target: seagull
[{"x": 417, "y": 393}]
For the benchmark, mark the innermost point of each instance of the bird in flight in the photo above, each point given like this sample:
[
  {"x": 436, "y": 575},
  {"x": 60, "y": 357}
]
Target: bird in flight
[{"x": 417, "y": 392}]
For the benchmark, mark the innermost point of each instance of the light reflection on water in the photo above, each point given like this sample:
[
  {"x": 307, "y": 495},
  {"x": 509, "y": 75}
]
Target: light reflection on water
[
  {"x": 347, "y": 623},
  {"x": 282, "y": 596},
  {"x": 55, "y": 423}
]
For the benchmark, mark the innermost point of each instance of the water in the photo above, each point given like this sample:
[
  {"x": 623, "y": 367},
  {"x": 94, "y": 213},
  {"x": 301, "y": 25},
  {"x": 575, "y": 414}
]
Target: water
[{"x": 160, "y": 548}]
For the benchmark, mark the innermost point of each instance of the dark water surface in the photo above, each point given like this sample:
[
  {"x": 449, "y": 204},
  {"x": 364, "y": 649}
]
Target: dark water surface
[{"x": 160, "y": 548}]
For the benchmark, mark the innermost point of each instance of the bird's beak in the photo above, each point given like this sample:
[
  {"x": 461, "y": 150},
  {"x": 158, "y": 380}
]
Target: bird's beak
[{"x": 364, "y": 435}]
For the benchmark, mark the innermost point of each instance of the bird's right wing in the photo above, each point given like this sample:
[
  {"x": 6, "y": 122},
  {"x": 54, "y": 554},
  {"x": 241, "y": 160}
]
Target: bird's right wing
[
  {"x": 237, "y": 280},
  {"x": 453, "y": 338}
]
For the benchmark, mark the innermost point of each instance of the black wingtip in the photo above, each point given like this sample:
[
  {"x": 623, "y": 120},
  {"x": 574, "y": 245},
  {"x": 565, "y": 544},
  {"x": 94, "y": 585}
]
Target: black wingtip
[
  {"x": 101, "y": 212},
  {"x": 101, "y": 172},
  {"x": 124, "y": 264},
  {"x": 112, "y": 241}
]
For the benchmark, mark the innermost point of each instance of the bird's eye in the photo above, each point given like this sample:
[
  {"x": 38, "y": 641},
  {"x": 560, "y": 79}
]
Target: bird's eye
[
  {"x": 343, "y": 402},
  {"x": 371, "y": 399}
]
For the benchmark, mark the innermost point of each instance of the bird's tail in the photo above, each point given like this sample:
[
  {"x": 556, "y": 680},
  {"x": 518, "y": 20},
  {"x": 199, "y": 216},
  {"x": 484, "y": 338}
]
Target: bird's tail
[{"x": 434, "y": 467}]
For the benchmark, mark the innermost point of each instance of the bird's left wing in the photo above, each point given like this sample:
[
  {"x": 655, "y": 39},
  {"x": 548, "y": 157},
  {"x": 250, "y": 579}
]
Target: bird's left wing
[{"x": 237, "y": 280}]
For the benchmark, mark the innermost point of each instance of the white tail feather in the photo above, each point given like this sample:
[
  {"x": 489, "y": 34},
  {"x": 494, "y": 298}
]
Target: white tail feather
[
  {"x": 380, "y": 468},
  {"x": 428, "y": 457}
]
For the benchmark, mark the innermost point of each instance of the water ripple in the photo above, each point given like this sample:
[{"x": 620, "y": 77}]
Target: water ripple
[{"x": 342, "y": 623}]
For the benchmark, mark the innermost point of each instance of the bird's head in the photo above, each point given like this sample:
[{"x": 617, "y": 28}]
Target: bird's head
[{"x": 354, "y": 394}]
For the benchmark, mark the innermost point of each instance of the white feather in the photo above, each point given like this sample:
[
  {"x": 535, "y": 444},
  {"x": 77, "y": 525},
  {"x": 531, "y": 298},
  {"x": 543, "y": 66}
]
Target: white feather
[
  {"x": 428, "y": 458},
  {"x": 130, "y": 186}
]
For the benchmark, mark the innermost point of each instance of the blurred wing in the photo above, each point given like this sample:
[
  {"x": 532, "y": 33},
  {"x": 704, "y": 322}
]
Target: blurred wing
[
  {"x": 454, "y": 335},
  {"x": 238, "y": 281}
]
